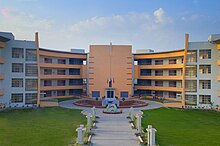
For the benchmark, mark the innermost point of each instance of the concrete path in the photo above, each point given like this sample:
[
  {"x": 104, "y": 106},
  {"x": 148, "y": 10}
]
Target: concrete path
[{"x": 113, "y": 130}]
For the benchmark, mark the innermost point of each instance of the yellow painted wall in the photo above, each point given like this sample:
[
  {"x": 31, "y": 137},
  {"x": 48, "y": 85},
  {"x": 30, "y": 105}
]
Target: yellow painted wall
[{"x": 121, "y": 68}]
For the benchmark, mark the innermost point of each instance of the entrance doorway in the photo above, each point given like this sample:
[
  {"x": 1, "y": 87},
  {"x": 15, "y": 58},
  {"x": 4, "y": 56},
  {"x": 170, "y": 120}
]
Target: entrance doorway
[{"x": 110, "y": 94}]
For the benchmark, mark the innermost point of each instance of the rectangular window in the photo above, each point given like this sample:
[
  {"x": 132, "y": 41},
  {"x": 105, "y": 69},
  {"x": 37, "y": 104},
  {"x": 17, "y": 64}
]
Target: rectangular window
[
  {"x": 17, "y": 82},
  {"x": 191, "y": 56},
  {"x": 16, "y": 98},
  {"x": 158, "y": 83},
  {"x": 61, "y": 61},
  {"x": 77, "y": 61},
  {"x": 31, "y": 84},
  {"x": 172, "y": 72},
  {"x": 145, "y": 72},
  {"x": 47, "y": 82},
  {"x": 31, "y": 55},
  {"x": 17, "y": 67},
  {"x": 47, "y": 60},
  {"x": 61, "y": 71},
  {"x": 204, "y": 99},
  {"x": 17, "y": 53},
  {"x": 204, "y": 69},
  {"x": 31, "y": 69},
  {"x": 205, "y": 84},
  {"x": 158, "y": 62},
  {"x": 75, "y": 92},
  {"x": 158, "y": 72},
  {"x": 73, "y": 82},
  {"x": 144, "y": 62},
  {"x": 47, "y": 71},
  {"x": 172, "y": 94},
  {"x": 61, "y": 93},
  {"x": 74, "y": 71},
  {"x": 205, "y": 54},
  {"x": 123, "y": 94},
  {"x": 143, "y": 82},
  {"x": 61, "y": 82},
  {"x": 191, "y": 71},
  {"x": 172, "y": 83},
  {"x": 190, "y": 85},
  {"x": 172, "y": 61},
  {"x": 159, "y": 93},
  {"x": 95, "y": 93},
  {"x": 191, "y": 99},
  {"x": 47, "y": 93},
  {"x": 31, "y": 98}
]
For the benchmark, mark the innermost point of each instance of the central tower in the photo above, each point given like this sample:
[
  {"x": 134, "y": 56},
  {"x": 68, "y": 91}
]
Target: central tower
[{"x": 110, "y": 71}]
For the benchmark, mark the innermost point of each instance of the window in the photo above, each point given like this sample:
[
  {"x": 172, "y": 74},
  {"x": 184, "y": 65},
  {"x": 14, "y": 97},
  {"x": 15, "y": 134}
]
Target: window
[
  {"x": 31, "y": 69},
  {"x": 158, "y": 72},
  {"x": 84, "y": 81},
  {"x": 17, "y": 53},
  {"x": 142, "y": 92},
  {"x": 172, "y": 94},
  {"x": 158, "y": 83},
  {"x": 172, "y": 61},
  {"x": 143, "y": 82},
  {"x": 31, "y": 55},
  {"x": 159, "y": 93},
  {"x": 191, "y": 71},
  {"x": 74, "y": 71},
  {"x": 31, "y": 98},
  {"x": 191, "y": 99},
  {"x": 47, "y": 71},
  {"x": 61, "y": 71},
  {"x": 76, "y": 61},
  {"x": 145, "y": 72},
  {"x": 190, "y": 86},
  {"x": 31, "y": 84},
  {"x": 75, "y": 82},
  {"x": 204, "y": 69},
  {"x": 172, "y": 83},
  {"x": 205, "y": 54},
  {"x": 47, "y": 60},
  {"x": 75, "y": 92},
  {"x": 144, "y": 62},
  {"x": 17, "y": 82},
  {"x": 124, "y": 94},
  {"x": 47, "y": 82},
  {"x": 16, "y": 98},
  {"x": 205, "y": 84},
  {"x": 172, "y": 72},
  {"x": 61, "y": 93},
  {"x": 17, "y": 67},
  {"x": 204, "y": 99},
  {"x": 61, "y": 61},
  {"x": 61, "y": 82},
  {"x": 95, "y": 93},
  {"x": 158, "y": 62},
  {"x": 191, "y": 56},
  {"x": 47, "y": 93}
]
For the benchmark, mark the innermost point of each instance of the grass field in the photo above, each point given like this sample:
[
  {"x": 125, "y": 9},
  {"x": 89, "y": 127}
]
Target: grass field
[
  {"x": 184, "y": 127},
  {"x": 39, "y": 127}
]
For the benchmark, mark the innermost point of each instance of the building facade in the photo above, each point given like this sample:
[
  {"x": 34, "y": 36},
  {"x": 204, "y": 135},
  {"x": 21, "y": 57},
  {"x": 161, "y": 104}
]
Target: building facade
[{"x": 30, "y": 75}]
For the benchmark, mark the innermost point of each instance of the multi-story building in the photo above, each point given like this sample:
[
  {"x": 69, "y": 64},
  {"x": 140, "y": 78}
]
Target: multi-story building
[{"x": 31, "y": 75}]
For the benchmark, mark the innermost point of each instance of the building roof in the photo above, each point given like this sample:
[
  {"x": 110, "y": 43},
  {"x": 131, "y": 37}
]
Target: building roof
[
  {"x": 58, "y": 51},
  {"x": 4, "y": 39},
  {"x": 158, "y": 52}
]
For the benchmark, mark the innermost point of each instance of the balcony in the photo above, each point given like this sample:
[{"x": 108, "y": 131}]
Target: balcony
[
  {"x": 43, "y": 88},
  {"x": 162, "y": 77},
  {"x": 60, "y": 76},
  {"x": 159, "y": 88},
  {"x": 2, "y": 92},
  {"x": 164, "y": 66},
  {"x": 2, "y": 44},
  {"x": 50, "y": 65}
]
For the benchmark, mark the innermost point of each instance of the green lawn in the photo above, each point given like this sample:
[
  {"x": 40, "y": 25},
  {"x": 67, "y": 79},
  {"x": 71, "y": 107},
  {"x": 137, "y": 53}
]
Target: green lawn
[
  {"x": 184, "y": 127},
  {"x": 39, "y": 127}
]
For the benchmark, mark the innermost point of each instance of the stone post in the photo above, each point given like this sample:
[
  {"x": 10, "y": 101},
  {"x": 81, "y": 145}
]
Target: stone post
[
  {"x": 94, "y": 113},
  {"x": 139, "y": 123},
  {"x": 88, "y": 122},
  {"x": 80, "y": 134},
  {"x": 151, "y": 134},
  {"x": 131, "y": 113}
]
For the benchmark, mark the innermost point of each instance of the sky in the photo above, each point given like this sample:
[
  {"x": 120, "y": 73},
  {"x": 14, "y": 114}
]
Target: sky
[{"x": 145, "y": 24}]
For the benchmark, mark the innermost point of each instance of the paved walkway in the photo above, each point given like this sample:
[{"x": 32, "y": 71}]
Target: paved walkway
[{"x": 113, "y": 130}]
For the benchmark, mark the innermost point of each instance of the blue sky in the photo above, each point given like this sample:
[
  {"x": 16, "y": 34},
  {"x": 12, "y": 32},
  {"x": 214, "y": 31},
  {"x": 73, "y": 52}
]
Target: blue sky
[{"x": 66, "y": 24}]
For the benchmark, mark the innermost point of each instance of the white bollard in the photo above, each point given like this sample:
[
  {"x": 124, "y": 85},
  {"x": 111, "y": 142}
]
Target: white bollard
[
  {"x": 94, "y": 112},
  {"x": 151, "y": 135},
  {"x": 148, "y": 134},
  {"x": 88, "y": 122},
  {"x": 139, "y": 123},
  {"x": 80, "y": 134},
  {"x": 131, "y": 113}
]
